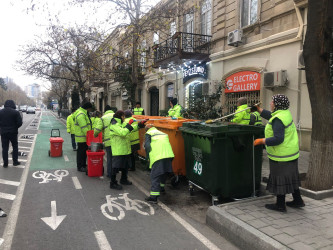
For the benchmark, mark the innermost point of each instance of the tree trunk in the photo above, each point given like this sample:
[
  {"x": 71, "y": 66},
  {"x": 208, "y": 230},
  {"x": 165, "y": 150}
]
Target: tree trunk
[{"x": 316, "y": 51}]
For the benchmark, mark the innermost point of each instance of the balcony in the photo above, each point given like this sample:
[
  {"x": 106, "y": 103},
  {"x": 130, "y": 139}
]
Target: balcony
[
  {"x": 182, "y": 46},
  {"x": 123, "y": 73}
]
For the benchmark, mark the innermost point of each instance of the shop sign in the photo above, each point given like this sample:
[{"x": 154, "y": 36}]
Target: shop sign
[
  {"x": 242, "y": 81},
  {"x": 192, "y": 71}
]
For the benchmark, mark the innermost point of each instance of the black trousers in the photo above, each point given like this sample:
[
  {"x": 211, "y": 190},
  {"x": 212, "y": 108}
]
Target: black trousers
[
  {"x": 5, "y": 139},
  {"x": 81, "y": 156},
  {"x": 73, "y": 141}
]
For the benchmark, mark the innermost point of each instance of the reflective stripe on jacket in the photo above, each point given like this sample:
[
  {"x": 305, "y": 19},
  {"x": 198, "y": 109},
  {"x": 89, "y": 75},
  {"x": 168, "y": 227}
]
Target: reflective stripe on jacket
[
  {"x": 257, "y": 121},
  {"x": 133, "y": 137},
  {"x": 137, "y": 111},
  {"x": 242, "y": 117},
  {"x": 82, "y": 125},
  {"x": 118, "y": 136},
  {"x": 103, "y": 126},
  {"x": 70, "y": 124},
  {"x": 175, "y": 111},
  {"x": 288, "y": 150},
  {"x": 160, "y": 146}
]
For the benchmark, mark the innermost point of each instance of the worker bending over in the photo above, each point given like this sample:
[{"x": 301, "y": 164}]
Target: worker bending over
[{"x": 160, "y": 155}]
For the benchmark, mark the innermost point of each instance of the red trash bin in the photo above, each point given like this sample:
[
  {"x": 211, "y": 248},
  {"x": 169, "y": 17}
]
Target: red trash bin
[
  {"x": 95, "y": 163},
  {"x": 55, "y": 144},
  {"x": 91, "y": 138}
]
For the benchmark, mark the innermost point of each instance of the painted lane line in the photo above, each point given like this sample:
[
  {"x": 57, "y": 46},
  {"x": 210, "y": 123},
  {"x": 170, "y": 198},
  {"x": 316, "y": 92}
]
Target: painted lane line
[
  {"x": 20, "y": 160},
  {"x": 7, "y": 197},
  {"x": 12, "y": 183},
  {"x": 23, "y": 150},
  {"x": 1, "y": 240},
  {"x": 181, "y": 221},
  {"x": 102, "y": 241},
  {"x": 76, "y": 182},
  {"x": 24, "y": 141},
  {"x": 18, "y": 166},
  {"x": 16, "y": 206},
  {"x": 24, "y": 147},
  {"x": 66, "y": 158}
]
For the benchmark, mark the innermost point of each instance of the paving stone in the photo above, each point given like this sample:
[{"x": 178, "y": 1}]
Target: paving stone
[
  {"x": 270, "y": 231},
  {"x": 257, "y": 214},
  {"x": 285, "y": 239},
  {"x": 245, "y": 217},
  {"x": 313, "y": 216},
  {"x": 257, "y": 223},
  {"x": 280, "y": 223},
  {"x": 300, "y": 246},
  {"x": 320, "y": 243},
  {"x": 292, "y": 231},
  {"x": 330, "y": 247},
  {"x": 235, "y": 211},
  {"x": 306, "y": 239}
]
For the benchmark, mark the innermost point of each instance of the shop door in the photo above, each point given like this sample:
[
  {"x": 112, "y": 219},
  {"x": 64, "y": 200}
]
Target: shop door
[{"x": 154, "y": 101}]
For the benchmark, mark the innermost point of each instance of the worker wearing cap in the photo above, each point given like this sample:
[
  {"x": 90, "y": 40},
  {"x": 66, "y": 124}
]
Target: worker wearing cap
[
  {"x": 242, "y": 117},
  {"x": 71, "y": 128},
  {"x": 138, "y": 110},
  {"x": 133, "y": 138},
  {"x": 176, "y": 109},
  {"x": 82, "y": 126},
  {"x": 102, "y": 125},
  {"x": 160, "y": 155}
]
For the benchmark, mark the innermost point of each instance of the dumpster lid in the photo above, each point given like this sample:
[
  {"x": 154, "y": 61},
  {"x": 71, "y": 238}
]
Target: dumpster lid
[
  {"x": 171, "y": 124},
  {"x": 213, "y": 129}
]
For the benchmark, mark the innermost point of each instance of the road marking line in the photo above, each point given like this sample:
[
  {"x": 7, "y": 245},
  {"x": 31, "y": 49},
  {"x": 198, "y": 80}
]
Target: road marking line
[
  {"x": 24, "y": 141},
  {"x": 18, "y": 166},
  {"x": 7, "y": 197},
  {"x": 184, "y": 223},
  {"x": 76, "y": 182},
  {"x": 23, "y": 160},
  {"x": 66, "y": 158},
  {"x": 24, "y": 147},
  {"x": 102, "y": 241},
  {"x": 14, "y": 212},
  {"x": 29, "y": 140},
  {"x": 13, "y": 183},
  {"x": 1, "y": 240}
]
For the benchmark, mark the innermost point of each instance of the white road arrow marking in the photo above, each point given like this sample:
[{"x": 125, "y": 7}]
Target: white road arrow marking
[{"x": 54, "y": 221}]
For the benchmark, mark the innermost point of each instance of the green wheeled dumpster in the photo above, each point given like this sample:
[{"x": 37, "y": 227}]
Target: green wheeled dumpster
[{"x": 221, "y": 159}]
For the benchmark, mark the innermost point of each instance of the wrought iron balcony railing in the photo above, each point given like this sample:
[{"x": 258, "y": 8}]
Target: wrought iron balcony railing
[{"x": 183, "y": 46}]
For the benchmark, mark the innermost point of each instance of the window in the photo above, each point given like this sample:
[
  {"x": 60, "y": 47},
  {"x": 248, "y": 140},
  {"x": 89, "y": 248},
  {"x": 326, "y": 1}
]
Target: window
[
  {"x": 206, "y": 17},
  {"x": 156, "y": 38},
  {"x": 173, "y": 28},
  {"x": 189, "y": 23},
  {"x": 249, "y": 12}
]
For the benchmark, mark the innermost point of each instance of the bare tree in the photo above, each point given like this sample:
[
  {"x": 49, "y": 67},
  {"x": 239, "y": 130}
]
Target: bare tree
[
  {"x": 317, "y": 50},
  {"x": 66, "y": 54}
]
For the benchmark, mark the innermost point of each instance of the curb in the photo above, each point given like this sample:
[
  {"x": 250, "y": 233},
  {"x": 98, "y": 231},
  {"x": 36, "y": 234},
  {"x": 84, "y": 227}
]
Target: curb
[
  {"x": 319, "y": 195},
  {"x": 240, "y": 233}
]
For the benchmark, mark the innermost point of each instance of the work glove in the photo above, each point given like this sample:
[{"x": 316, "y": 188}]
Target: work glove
[
  {"x": 142, "y": 123},
  {"x": 254, "y": 108},
  {"x": 129, "y": 127},
  {"x": 261, "y": 141},
  {"x": 131, "y": 121}
]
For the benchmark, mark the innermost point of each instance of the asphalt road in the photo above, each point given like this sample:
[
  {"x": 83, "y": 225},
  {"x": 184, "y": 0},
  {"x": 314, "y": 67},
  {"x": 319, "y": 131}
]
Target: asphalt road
[{"x": 57, "y": 207}]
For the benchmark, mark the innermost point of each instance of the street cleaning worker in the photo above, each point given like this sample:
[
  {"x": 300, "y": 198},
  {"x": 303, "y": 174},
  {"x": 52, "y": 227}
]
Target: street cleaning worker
[
  {"x": 282, "y": 148},
  {"x": 138, "y": 110},
  {"x": 82, "y": 126},
  {"x": 121, "y": 147},
  {"x": 134, "y": 140},
  {"x": 160, "y": 155},
  {"x": 255, "y": 118},
  {"x": 242, "y": 117},
  {"x": 176, "y": 109},
  {"x": 95, "y": 118},
  {"x": 103, "y": 126},
  {"x": 71, "y": 127}
]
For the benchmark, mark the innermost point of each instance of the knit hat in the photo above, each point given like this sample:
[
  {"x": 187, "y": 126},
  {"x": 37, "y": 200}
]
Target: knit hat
[
  {"x": 107, "y": 107},
  {"x": 87, "y": 105},
  {"x": 118, "y": 114},
  {"x": 174, "y": 101},
  {"x": 242, "y": 101},
  {"x": 281, "y": 102},
  {"x": 128, "y": 113}
]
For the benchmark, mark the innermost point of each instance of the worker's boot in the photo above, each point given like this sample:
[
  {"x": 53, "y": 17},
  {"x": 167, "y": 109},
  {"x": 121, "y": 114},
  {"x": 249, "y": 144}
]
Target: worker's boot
[
  {"x": 279, "y": 205},
  {"x": 297, "y": 202},
  {"x": 151, "y": 199},
  {"x": 114, "y": 184},
  {"x": 123, "y": 179}
]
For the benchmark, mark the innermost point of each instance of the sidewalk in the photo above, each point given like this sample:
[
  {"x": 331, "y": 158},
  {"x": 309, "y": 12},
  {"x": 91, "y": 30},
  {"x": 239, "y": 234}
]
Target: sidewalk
[{"x": 250, "y": 225}]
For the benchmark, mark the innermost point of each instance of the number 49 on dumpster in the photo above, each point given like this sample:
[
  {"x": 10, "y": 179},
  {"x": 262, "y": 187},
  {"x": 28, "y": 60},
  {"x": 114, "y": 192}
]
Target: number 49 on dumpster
[{"x": 197, "y": 168}]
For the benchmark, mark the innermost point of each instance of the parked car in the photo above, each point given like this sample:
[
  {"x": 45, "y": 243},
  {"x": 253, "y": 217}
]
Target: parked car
[
  {"x": 31, "y": 110},
  {"x": 23, "y": 108},
  {"x": 37, "y": 109}
]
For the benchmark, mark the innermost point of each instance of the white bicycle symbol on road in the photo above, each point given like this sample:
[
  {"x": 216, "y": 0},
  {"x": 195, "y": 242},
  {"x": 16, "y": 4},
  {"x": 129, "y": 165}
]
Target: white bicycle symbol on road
[
  {"x": 114, "y": 210},
  {"x": 47, "y": 177}
]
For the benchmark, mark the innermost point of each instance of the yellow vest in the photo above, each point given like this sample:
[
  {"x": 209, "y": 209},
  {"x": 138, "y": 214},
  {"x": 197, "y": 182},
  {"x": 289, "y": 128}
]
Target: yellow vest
[
  {"x": 288, "y": 150},
  {"x": 160, "y": 146}
]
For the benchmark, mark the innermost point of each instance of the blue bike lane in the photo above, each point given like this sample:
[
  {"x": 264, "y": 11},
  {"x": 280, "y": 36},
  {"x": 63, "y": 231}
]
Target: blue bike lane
[{"x": 65, "y": 209}]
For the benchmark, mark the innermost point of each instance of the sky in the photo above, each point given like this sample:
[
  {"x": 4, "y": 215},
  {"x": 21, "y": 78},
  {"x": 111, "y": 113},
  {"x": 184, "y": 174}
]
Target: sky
[{"x": 19, "y": 26}]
